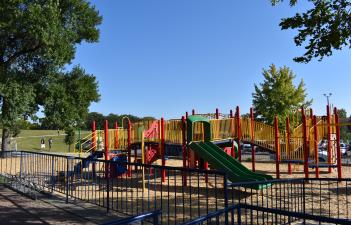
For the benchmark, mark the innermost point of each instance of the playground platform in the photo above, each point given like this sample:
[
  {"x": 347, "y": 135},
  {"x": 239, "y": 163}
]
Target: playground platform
[{"x": 18, "y": 209}]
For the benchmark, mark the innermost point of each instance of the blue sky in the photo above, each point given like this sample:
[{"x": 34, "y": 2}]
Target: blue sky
[{"x": 163, "y": 57}]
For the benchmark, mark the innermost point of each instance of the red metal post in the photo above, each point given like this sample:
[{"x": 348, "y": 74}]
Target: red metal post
[
  {"x": 116, "y": 135},
  {"x": 239, "y": 131},
  {"x": 305, "y": 145},
  {"x": 232, "y": 151},
  {"x": 277, "y": 147},
  {"x": 288, "y": 136},
  {"x": 315, "y": 144},
  {"x": 107, "y": 166},
  {"x": 163, "y": 149},
  {"x": 252, "y": 130},
  {"x": 106, "y": 140},
  {"x": 217, "y": 113},
  {"x": 129, "y": 133},
  {"x": 338, "y": 150},
  {"x": 184, "y": 148},
  {"x": 329, "y": 139}
]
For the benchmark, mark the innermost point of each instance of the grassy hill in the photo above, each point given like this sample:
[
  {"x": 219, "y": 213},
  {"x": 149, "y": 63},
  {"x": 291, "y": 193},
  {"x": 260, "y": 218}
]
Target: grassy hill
[{"x": 30, "y": 140}]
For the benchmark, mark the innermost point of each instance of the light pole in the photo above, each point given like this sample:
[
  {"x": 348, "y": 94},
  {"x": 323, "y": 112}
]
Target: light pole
[{"x": 328, "y": 96}]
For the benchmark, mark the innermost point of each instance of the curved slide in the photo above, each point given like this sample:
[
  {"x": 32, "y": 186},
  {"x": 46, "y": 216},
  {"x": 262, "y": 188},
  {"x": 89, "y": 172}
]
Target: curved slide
[{"x": 222, "y": 161}]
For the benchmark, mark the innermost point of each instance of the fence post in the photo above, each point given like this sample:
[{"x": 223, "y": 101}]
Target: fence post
[
  {"x": 155, "y": 218},
  {"x": 108, "y": 186},
  {"x": 68, "y": 175},
  {"x": 304, "y": 199},
  {"x": 239, "y": 214},
  {"x": 225, "y": 186},
  {"x": 52, "y": 173},
  {"x": 21, "y": 165}
]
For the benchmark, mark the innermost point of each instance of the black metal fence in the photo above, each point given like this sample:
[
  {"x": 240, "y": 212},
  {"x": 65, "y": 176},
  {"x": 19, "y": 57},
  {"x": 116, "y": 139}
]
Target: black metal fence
[
  {"x": 184, "y": 195},
  {"x": 321, "y": 199}
]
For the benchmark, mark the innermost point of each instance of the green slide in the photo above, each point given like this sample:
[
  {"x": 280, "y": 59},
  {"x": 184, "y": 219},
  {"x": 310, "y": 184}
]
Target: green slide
[{"x": 222, "y": 161}]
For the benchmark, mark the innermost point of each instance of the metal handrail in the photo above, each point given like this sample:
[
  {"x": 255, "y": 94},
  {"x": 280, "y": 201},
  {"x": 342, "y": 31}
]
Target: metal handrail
[{"x": 139, "y": 218}]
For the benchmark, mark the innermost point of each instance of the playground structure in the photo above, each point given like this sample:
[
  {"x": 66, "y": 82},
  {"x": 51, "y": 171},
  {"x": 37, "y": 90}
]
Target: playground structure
[
  {"x": 210, "y": 179},
  {"x": 199, "y": 135}
]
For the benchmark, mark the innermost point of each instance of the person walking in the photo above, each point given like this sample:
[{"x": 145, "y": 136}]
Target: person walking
[{"x": 50, "y": 143}]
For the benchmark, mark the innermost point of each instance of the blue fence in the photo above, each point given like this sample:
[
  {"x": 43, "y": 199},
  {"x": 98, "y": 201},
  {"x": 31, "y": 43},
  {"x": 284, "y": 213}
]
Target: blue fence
[{"x": 254, "y": 215}]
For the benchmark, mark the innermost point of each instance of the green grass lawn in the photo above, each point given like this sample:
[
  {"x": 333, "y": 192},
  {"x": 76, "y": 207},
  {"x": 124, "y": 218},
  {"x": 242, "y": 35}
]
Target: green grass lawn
[{"x": 30, "y": 140}]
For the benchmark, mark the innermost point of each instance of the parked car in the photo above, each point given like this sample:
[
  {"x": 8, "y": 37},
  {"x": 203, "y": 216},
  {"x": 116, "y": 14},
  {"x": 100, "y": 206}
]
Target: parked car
[
  {"x": 245, "y": 147},
  {"x": 343, "y": 148}
]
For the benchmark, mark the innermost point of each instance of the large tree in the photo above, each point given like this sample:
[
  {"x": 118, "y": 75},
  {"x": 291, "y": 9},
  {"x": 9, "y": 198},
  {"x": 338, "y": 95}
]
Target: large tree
[
  {"x": 37, "y": 39},
  {"x": 277, "y": 95},
  {"x": 68, "y": 99},
  {"x": 322, "y": 29}
]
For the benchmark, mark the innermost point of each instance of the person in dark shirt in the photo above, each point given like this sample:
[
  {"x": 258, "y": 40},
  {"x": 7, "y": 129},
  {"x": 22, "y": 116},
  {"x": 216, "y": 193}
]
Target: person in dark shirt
[{"x": 50, "y": 143}]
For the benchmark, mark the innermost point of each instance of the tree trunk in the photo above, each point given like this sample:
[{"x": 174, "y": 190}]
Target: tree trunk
[{"x": 5, "y": 139}]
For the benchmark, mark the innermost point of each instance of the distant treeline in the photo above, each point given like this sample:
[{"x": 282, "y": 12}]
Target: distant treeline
[
  {"x": 112, "y": 118},
  {"x": 99, "y": 118}
]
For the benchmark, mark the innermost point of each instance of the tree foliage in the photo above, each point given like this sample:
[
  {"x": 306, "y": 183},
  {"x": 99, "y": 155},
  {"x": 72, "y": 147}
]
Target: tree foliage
[
  {"x": 112, "y": 118},
  {"x": 37, "y": 39},
  {"x": 344, "y": 131},
  {"x": 68, "y": 98},
  {"x": 322, "y": 29},
  {"x": 277, "y": 95}
]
